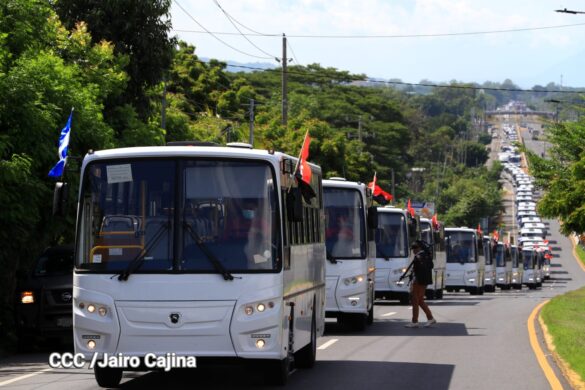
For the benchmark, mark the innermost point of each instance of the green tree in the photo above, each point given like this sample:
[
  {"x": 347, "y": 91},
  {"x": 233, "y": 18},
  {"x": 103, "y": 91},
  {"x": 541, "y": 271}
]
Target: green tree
[{"x": 562, "y": 176}]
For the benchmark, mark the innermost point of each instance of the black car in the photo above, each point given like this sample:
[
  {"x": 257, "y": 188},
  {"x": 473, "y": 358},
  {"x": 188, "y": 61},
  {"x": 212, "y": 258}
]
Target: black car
[{"x": 44, "y": 298}]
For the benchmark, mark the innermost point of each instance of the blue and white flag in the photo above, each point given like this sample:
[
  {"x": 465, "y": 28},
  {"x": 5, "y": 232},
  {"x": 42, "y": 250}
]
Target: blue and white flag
[{"x": 58, "y": 169}]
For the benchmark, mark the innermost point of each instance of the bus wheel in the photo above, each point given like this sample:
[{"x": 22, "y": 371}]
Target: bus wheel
[
  {"x": 405, "y": 300},
  {"x": 305, "y": 357},
  {"x": 107, "y": 377},
  {"x": 439, "y": 294}
]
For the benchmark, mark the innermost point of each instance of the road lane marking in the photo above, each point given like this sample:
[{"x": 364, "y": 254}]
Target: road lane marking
[
  {"x": 388, "y": 314},
  {"x": 554, "y": 382},
  {"x": 328, "y": 344},
  {"x": 19, "y": 378}
]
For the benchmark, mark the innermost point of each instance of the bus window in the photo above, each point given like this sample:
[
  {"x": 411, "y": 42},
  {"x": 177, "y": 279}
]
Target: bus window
[
  {"x": 392, "y": 238},
  {"x": 461, "y": 247},
  {"x": 345, "y": 233}
]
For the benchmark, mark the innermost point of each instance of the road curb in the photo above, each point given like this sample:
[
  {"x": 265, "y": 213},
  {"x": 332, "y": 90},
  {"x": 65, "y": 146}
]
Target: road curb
[
  {"x": 548, "y": 371},
  {"x": 569, "y": 375}
]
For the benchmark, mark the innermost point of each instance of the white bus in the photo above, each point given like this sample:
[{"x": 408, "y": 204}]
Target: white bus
[
  {"x": 517, "y": 268},
  {"x": 351, "y": 252},
  {"x": 503, "y": 266},
  {"x": 490, "y": 266},
  {"x": 395, "y": 227},
  {"x": 199, "y": 251},
  {"x": 532, "y": 274},
  {"x": 465, "y": 260},
  {"x": 435, "y": 236}
]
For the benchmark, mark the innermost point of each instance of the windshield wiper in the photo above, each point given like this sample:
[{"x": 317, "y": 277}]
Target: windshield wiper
[
  {"x": 212, "y": 258},
  {"x": 137, "y": 262}
]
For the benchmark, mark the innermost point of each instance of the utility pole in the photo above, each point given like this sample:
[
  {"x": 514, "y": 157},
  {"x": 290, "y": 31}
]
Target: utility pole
[
  {"x": 284, "y": 83},
  {"x": 251, "y": 137}
]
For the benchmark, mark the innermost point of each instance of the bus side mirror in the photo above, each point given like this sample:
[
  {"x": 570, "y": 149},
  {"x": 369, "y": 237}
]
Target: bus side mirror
[
  {"x": 373, "y": 217},
  {"x": 413, "y": 230},
  {"x": 294, "y": 205},
  {"x": 60, "y": 195}
]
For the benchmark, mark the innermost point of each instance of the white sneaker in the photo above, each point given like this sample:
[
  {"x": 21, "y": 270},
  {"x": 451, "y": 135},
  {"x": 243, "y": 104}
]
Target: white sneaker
[
  {"x": 412, "y": 325},
  {"x": 430, "y": 323}
]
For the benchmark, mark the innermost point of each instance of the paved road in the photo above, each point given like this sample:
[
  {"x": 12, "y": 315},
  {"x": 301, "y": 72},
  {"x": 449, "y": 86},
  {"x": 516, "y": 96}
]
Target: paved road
[{"x": 480, "y": 342}]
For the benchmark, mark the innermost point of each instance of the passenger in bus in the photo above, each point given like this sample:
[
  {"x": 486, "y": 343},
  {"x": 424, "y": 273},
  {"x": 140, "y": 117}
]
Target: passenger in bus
[
  {"x": 258, "y": 247},
  {"x": 344, "y": 245}
]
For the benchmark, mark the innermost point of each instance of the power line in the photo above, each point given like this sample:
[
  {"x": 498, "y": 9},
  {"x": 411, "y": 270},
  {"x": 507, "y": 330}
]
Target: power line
[
  {"x": 231, "y": 20},
  {"x": 331, "y": 36},
  {"x": 215, "y": 35},
  {"x": 374, "y": 81},
  {"x": 292, "y": 51},
  {"x": 243, "y": 25}
]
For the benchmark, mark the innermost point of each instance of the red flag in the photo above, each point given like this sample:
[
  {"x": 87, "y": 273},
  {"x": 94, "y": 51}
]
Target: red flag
[
  {"x": 304, "y": 168},
  {"x": 410, "y": 209},
  {"x": 435, "y": 222},
  {"x": 496, "y": 235},
  {"x": 378, "y": 193},
  {"x": 479, "y": 231}
]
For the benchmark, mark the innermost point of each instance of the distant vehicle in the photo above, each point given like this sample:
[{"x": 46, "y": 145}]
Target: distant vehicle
[
  {"x": 490, "y": 266},
  {"x": 526, "y": 213},
  {"x": 535, "y": 225},
  {"x": 44, "y": 298},
  {"x": 525, "y": 208},
  {"x": 524, "y": 199},
  {"x": 503, "y": 266},
  {"x": 525, "y": 220},
  {"x": 536, "y": 233},
  {"x": 526, "y": 204},
  {"x": 351, "y": 252},
  {"x": 465, "y": 260},
  {"x": 525, "y": 193},
  {"x": 395, "y": 231},
  {"x": 435, "y": 236},
  {"x": 517, "y": 268},
  {"x": 531, "y": 276}
]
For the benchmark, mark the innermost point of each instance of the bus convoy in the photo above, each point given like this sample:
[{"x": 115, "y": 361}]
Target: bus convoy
[{"x": 221, "y": 253}]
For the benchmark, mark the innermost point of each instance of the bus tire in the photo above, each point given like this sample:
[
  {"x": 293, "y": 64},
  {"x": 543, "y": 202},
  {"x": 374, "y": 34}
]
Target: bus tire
[
  {"x": 306, "y": 356},
  {"x": 405, "y": 300},
  {"x": 108, "y": 377},
  {"x": 439, "y": 294}
]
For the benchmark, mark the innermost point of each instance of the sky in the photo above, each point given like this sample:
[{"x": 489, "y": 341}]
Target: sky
[{"x": 528, "y": 58}]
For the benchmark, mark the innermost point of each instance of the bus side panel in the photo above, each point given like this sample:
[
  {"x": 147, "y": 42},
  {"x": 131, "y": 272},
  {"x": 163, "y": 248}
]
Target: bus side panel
[{"x": 304, "y": 283}]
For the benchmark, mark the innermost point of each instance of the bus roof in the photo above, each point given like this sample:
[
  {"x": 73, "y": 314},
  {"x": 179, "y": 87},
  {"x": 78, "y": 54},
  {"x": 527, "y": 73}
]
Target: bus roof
[
  {"x": 343, "y": 184},
  {"x": 191, "y": 151}
]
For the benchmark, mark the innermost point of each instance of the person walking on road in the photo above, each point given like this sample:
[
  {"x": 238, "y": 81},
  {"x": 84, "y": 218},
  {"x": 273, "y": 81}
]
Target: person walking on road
[{"x": 422, "y": 268}]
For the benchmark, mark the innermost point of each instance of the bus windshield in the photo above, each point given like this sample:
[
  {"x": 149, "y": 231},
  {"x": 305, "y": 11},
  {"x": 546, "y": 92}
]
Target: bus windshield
[
  {"x": 460, "y": 247},
  {"x": 528, "y": 259},
  {"x": 345, "y": 234},
  {"x": 426, "y": 232},
  {"x": 500, "y": 260},
  {"x": 514, "y": 256},
  {"x": 169, "y": 215},
  {"x": 487, "y": 251},
  {"x": 391, "y": 236}
]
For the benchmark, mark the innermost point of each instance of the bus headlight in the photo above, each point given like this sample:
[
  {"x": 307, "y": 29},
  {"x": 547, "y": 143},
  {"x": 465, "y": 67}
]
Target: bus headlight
[
  {"x": 353, "y": 280},
  {"x": 258, "y": 307}
]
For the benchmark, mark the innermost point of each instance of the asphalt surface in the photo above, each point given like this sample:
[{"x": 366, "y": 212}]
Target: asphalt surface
[{"x": 479, "y": 342}]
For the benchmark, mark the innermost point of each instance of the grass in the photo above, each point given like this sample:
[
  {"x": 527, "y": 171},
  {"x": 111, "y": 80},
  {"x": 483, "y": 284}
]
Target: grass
[{"x": 564, "y": 316}]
